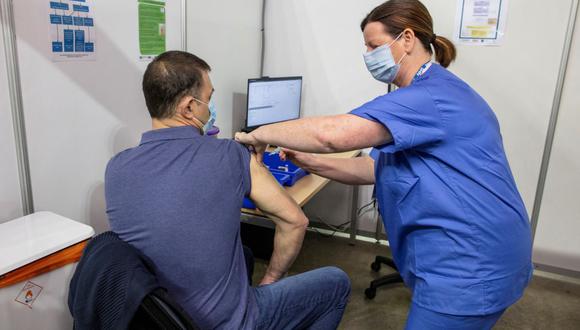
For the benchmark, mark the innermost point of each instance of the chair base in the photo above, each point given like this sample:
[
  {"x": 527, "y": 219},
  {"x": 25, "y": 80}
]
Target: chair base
[{"x": 371, "y": 291}]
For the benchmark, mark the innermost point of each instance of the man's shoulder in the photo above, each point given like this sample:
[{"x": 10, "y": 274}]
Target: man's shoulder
[
  {"x": 232, "y": 146},
  {"x": 119, "y": 159}
]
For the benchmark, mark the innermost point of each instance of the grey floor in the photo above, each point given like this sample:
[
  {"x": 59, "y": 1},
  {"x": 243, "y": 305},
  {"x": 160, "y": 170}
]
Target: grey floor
[{"x": 547, "y": 304}]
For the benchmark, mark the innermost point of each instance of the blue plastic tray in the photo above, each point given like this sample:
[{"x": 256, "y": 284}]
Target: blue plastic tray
[
  {"x": 280, "y": 177},
  {"x": 276, "y": 165}
]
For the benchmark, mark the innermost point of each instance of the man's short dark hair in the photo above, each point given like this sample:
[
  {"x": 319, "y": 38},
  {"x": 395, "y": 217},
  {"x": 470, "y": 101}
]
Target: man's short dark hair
[{"x": 168, "y": 78}]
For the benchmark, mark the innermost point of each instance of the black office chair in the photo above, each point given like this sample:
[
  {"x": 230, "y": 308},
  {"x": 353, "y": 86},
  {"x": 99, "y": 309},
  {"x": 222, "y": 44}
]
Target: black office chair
[
  {"x": 371, "y": 291},
  {"x": 159, "y": 312},
  {"x": 113, "y": 279},
  {"x": 114, "y": 287}
]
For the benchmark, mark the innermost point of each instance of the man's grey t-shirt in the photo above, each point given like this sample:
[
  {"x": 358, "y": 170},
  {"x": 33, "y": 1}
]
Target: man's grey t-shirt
[{"x": 177, "y": 198}]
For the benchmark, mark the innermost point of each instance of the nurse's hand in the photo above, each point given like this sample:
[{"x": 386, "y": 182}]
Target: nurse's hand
[
  {"x": 300, "y": 159},
  {"x": 248, "y": 139}
]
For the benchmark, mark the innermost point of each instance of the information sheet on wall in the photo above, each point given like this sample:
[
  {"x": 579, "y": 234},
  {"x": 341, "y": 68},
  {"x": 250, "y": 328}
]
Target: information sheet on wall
[
  {"x": 480, "y": 22},
  {"x": 151, "y": 28},
  {"x": 72, "y": 30}
]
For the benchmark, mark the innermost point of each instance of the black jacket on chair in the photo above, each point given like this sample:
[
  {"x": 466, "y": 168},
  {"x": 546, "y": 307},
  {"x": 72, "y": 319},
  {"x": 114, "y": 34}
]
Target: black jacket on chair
[{"x": 109, "y": 284}]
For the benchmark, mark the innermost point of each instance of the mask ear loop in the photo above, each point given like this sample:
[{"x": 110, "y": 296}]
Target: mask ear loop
[
  {"x": 402, "y": 58},
  {"x": 397, "y": 38},
  {"x": 194, "y": 116}
]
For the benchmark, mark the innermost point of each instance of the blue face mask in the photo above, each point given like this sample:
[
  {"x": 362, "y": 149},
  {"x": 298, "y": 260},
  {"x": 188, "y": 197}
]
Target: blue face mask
[
  {"x": 381, "y": 63},
  {"x": 212, "y": 116}
]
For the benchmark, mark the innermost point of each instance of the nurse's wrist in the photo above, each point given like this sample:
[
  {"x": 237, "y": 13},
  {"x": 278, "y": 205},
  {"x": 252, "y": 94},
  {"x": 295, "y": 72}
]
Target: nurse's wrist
[
  {"x": 258, "y": 135},
  {"x": 312, "y": 163}
]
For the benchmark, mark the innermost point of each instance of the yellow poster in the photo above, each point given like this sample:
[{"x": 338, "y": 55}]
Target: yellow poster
[{"x": 480, "y": 22}]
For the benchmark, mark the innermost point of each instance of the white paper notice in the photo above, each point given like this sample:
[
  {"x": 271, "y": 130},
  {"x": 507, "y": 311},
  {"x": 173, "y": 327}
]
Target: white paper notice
[{"x": 480, "y": 22}]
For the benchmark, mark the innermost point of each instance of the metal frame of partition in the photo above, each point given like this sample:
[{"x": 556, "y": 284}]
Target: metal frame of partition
[
  {"x": 184, "y": 25},
  {"x": 263, "y": 35},
  {"x": 554, "y": 116},
  {"x": 15, "y": 90}
]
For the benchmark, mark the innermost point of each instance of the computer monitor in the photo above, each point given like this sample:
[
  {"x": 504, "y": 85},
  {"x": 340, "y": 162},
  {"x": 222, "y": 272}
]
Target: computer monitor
[{"x": 273, "y": 100}]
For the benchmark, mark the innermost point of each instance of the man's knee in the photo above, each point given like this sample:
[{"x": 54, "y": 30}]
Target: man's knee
[{"x": 339, "y": 279}]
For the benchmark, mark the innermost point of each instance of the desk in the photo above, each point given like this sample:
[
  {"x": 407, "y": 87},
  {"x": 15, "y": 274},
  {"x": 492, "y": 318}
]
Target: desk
[{"x": 303, "y": 191}]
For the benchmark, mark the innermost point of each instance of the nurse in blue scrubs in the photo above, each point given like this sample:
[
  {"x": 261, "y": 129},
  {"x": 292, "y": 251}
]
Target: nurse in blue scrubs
[{"x": 456, "y": 223}]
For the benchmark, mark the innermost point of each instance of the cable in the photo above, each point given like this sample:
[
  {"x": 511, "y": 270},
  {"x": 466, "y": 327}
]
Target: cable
[
  {"x": 333, "y": 227},
  {"x": 372, "y": 202},
  {"x": 343, "y": 227},
  {"x": 321, "y": 233},
  {"x": 336, "y": 229}
]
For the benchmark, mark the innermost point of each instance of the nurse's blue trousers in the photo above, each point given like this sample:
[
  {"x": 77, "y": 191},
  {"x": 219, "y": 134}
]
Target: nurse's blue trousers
[{"x": 424, "y": 319}]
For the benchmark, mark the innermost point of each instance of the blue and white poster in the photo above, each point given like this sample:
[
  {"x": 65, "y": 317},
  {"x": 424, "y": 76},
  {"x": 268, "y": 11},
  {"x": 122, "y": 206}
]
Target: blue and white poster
[{"x": 72, "y": 30}]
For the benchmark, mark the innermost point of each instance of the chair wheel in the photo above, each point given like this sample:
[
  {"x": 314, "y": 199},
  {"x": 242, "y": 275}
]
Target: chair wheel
[
  {"x": 376, "y": 266},
  {"x": 370, "y": 293}
]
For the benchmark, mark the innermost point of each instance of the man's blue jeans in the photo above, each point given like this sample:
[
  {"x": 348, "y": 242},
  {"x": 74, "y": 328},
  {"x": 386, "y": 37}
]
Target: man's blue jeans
[{"x": 311, "y": 300}]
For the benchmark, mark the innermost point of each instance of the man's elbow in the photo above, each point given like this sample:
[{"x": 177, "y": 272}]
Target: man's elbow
[
  {"x": 300, "y": 222},
  {"x": 304, "y": 222}
]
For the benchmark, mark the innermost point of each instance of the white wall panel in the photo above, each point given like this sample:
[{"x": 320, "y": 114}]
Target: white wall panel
[
  {"x": 322, "y": 41},
  {"x": 226, "y": 34},
  {"x": 557, "y": 239},
  {"x": 10, "y": 202},
  {"x": 518, "y": 79},
  {"x": 79, "y": 114}
]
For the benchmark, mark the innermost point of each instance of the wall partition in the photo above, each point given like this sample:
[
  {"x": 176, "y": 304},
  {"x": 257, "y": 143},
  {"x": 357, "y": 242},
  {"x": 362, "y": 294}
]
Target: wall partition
[
  {"x": 79, "y": 113},
  {"x": 11, "y": 205}
]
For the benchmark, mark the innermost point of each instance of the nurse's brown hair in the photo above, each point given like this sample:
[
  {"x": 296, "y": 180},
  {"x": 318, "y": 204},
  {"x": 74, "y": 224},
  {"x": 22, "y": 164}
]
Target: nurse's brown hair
[{"x": 398, "y": 15}]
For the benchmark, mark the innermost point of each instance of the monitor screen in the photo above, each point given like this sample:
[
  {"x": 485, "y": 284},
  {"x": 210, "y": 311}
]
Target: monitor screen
[{"x": 272, "y": 100}]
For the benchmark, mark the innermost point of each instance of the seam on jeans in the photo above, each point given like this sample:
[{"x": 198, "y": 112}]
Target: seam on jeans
[
  {"x": 307, "y": 302},
  {"x": 338, "y": 305}
]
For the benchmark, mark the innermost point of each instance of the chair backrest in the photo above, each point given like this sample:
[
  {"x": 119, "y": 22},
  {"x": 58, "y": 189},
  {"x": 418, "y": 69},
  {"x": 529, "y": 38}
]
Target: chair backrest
[{"x": 159, "y": 311}]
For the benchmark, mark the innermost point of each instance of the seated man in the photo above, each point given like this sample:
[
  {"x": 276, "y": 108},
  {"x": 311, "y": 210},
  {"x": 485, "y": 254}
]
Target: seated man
[{"x": 177, "y": 198}]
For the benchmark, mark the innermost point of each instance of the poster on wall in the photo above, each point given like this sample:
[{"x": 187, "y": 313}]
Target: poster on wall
[
  {"x": 480, "y": 22},
  {"x": 72, "y": 30},
  {"x": 151, "y": 28}
]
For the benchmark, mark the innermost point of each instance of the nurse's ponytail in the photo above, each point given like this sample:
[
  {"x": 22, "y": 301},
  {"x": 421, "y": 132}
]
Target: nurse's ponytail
[
  {"x": 398, "y": 15},
  {"x": 445, "y": 51}
]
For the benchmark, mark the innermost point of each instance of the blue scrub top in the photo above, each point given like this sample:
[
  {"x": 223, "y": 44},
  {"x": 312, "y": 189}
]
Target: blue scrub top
[{"x": 456, "y": 223}]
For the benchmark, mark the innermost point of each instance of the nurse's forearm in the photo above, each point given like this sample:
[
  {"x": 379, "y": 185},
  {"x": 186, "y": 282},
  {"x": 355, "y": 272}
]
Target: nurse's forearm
[
  {"x": 354, "y": 171},
  {"x": 303, "y": 135},
  {"x": 328, "y": 134}
]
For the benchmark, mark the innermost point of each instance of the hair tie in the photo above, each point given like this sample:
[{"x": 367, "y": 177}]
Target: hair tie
[{"x": 433, "y": 38}]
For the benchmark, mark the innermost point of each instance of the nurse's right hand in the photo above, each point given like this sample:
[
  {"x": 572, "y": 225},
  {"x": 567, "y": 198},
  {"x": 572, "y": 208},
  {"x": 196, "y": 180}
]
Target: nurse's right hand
[
  {"x": 248, "y": 139},
  {"x": 300, "y": 159}
]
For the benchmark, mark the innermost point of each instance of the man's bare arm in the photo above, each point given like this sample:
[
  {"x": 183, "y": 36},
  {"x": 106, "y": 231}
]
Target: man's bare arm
[{"x": 291, "y": 223}]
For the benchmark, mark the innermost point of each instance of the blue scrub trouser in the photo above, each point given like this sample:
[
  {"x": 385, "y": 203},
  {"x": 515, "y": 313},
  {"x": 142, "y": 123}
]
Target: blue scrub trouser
[{"x": 424, "y": 319}]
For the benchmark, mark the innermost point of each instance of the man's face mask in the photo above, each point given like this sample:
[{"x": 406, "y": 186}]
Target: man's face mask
[
  {"x": 212, "y": 115},
  {"x": 381, "y": 63}
]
